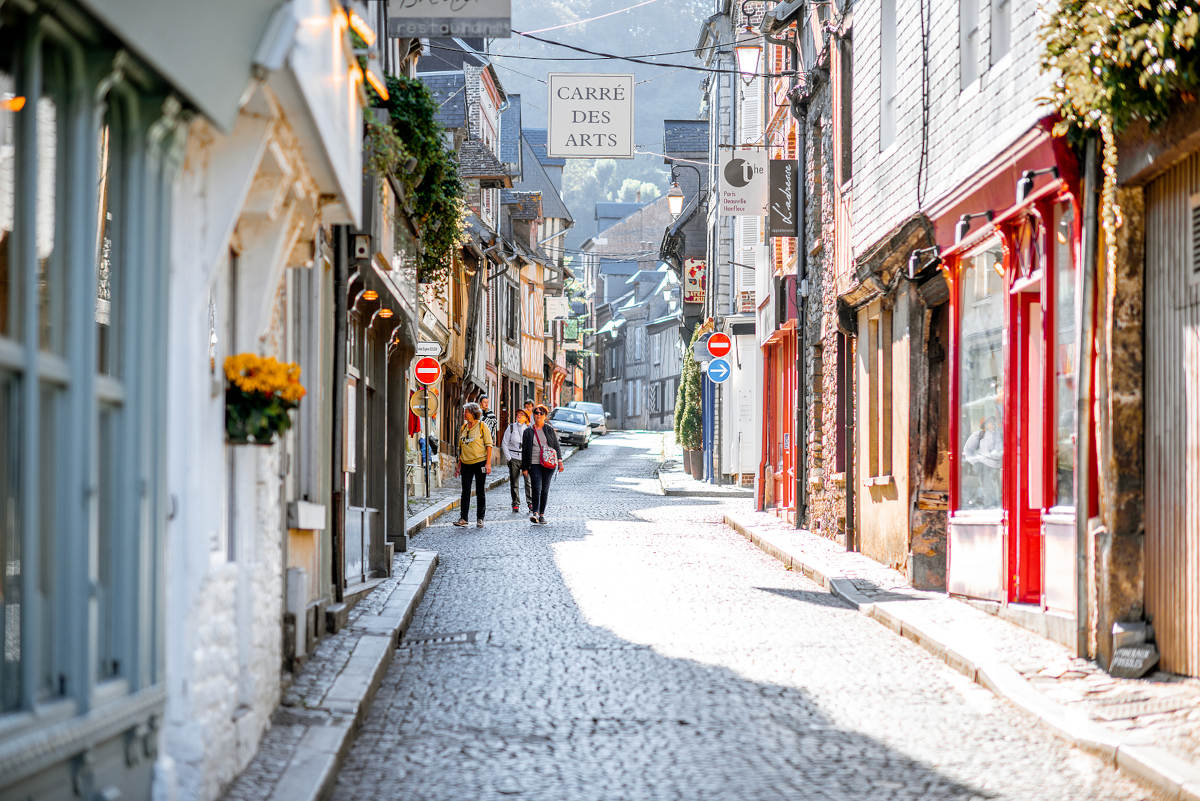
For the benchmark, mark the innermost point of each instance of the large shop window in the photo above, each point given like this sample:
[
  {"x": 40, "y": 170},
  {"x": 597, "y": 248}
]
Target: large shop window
[
  {"x": 1065, "y": 357},
  {"x": 82, "y": 225},
  {"x": 981, "y": 370}
]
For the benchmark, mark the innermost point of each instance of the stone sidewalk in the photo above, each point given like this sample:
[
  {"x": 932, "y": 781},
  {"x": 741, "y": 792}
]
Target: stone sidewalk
[
  {"x": 1149, "y": 727},
  {"x": 319, "y": 714}
]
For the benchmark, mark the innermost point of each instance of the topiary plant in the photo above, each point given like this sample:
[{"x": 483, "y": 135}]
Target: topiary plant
[{"x": 689, "y": 424}]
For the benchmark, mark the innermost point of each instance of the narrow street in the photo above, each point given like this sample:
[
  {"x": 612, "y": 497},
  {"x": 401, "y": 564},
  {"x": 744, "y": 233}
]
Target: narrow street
[{"x": 636, "y": 648}]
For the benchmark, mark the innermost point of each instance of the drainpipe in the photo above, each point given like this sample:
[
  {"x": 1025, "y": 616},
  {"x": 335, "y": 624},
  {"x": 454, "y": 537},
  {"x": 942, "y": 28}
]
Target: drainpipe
[
  {"x": 1083, "y": 392},
  {"x": 799, "y": 109},
  {"x": 341, "y": 271}
]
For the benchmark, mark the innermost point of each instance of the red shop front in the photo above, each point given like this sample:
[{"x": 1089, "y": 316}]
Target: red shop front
[
  {"x": 1014, "y": 353},
  {"x": 777, "y": 471}
]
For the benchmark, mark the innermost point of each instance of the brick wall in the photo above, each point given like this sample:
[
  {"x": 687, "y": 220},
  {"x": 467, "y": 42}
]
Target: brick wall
[{"x": 966, "y": 128}]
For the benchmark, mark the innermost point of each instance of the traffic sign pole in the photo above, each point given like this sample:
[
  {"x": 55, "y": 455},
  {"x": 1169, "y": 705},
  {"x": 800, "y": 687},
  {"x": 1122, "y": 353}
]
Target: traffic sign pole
[{"x": 425, "y": 431}]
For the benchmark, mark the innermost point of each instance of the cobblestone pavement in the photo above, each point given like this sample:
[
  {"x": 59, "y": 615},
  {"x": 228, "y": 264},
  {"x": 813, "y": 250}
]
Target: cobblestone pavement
[{"x": 636, "y": 649}]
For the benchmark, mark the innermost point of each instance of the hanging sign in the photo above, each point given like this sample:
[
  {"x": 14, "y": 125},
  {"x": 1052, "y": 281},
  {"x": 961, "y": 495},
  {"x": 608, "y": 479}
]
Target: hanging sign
[
  {"x": 743, "y": 181},
  {"x": 591, "y": 116},
  {"x": 781, "y": 198},
  {"x": 435, "y": 18},
  {"x": 694, "y": 280},
  {"x": 557, "y": 307}
]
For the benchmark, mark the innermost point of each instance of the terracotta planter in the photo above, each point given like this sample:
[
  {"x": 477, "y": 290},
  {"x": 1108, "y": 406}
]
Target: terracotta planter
[
  {"x": 687, "y": 461},
  {"x": 697, "y": 469}
]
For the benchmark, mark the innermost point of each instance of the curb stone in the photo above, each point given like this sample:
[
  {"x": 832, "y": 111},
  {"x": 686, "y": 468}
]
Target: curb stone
[
  {"x": 312, "y": 766},
  {"x": 427, "y": 517},
  {"x": 1176, "y": 778}
]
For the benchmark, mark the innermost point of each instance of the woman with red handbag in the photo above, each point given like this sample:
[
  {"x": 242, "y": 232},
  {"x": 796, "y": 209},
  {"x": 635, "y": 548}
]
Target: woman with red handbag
[{"x": 541, "y": 457}]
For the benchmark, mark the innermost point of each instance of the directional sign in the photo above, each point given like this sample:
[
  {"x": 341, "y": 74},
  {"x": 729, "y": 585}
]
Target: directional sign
[
  {"x": 422, "y": 401},
  {"x": 719, "y": 371},
  {"x": 429, "y": 349},
  {"x": 719, "y": 344},
  {"x": 428, "y": 370}
]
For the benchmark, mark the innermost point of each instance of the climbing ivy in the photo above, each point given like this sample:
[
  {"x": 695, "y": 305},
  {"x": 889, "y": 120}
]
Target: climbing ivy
[
  {"x": 1117, "y": 62},
  {"x": 411, "y": 150}
]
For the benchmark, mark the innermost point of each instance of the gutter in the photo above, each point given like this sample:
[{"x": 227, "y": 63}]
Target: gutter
[{"x": 1083, "y": 389}]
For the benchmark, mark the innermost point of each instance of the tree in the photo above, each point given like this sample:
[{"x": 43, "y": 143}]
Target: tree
[{"x": 689, "y": 424}]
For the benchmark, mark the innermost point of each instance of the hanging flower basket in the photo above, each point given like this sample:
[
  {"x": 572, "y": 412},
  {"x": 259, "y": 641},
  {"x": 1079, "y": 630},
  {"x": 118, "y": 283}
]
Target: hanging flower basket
[{"x": 258, "y": 396}]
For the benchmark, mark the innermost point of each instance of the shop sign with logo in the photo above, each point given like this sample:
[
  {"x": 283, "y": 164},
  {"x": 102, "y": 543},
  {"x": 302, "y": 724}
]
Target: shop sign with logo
[
  {"x": 781, "y": 198},
  {"x": 694, "y": 280},
  {"x": 591, "y": 116},
  {"x": 438, "y": 18},
  {"x": 743, "y": 181}
]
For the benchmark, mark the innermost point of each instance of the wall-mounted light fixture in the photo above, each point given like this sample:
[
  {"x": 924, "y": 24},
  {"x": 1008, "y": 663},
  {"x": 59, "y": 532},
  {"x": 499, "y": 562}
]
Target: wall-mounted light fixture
[
  {"x": 747, "y": 49},
  {"x": 918, "y": 264},
  {"x": 12, "y": 102},
  {"x": 370, "y": 294},
  {"x": 675, "y": 200},
  {"x": 377, "y": 84},
  {"x": 360, "y": 26},
  {"x": 386, "y": 313},
  {"x": 964, "y": 223},
  {"x": 1025, "y": 185}
]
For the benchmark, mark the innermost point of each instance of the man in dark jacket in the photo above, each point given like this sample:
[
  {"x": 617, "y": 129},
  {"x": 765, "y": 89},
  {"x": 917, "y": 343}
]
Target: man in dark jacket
[{"x": 539, "y": 447}]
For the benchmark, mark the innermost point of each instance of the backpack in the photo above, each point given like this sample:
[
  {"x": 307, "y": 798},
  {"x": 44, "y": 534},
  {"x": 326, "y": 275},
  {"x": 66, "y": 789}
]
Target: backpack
[{"x": 547, "y": 456}]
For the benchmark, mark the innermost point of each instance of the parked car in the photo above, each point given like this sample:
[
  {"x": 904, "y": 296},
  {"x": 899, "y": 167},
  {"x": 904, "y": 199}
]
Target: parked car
[
  {"x": 597, "y": 417},
  {"x": 571, "y": 425}
]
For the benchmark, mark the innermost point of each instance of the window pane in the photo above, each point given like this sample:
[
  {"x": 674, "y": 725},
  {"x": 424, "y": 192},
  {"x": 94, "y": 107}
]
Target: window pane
[
  {"x": 1064, "y": 356},
  {"x": 51, "y": 287},
  {"x": 106, "y": 541},
  {"x": 10, "y": 542},
  {"x": 981, "y": 380},
  {"x": 9, "y": 114},
  {"x": 108, "y": 349},
  {"x": 48, "y": 592}
]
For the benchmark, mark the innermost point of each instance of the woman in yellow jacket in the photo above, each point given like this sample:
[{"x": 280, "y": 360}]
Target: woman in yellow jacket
[{"x": 474, "y": 462}]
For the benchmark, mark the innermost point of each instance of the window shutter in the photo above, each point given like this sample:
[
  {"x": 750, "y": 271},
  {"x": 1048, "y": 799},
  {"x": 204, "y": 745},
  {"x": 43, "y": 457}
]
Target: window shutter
[{"x": 1195, "y": 238}]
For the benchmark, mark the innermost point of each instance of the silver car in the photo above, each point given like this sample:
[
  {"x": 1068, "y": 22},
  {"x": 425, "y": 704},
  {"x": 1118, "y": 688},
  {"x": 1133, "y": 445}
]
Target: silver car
[
  {"x": 571, "y": 425},
  {"x": 597, "y": 417}
]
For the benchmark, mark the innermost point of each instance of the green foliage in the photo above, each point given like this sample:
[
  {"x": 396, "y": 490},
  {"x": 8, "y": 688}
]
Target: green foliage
[
  {"x": 1117, "y": 62},
  {"x": 412, "y": 152},
  {"x": 689, "y": 424},
  {"x": 1123, "y": 60}
]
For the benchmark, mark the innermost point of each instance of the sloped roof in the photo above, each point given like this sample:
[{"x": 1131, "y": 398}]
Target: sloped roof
[
  {"x": 536, "y": 179},
  {"x": 612, "y": 210},
  {"x": 450, "y": 96},
  {"x": 527, "y": 205},
  {"x": 685, "y": 136},
  {"x": 537, "y": 138},
  {"x": 510, "y": 135},
  {"x": 476, "y": 160}
]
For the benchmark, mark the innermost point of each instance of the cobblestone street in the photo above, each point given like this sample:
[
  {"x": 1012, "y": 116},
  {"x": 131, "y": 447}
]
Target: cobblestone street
[{"x": 637, "y": 648}]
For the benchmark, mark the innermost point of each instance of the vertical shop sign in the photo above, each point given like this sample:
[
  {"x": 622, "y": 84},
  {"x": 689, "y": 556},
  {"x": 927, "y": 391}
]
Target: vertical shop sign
[
  {"x": 781, "y": 198},
  {"x": 694, "y": 279}
]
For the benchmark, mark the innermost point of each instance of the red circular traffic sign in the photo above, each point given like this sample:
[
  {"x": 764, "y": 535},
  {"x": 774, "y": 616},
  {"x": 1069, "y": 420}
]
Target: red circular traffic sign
[
  {"x": 428, "y": 370},
  {"x": 719, "y": 344}
]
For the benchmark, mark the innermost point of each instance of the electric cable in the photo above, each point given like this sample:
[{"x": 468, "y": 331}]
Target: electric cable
[
  {"x": 637, "y": 60},
  {"x": 604, "y": 58},
  {"x": 593, "y": 19}
]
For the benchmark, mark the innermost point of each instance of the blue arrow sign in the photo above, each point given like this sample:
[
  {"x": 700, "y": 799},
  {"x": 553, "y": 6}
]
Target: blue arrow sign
[{"x": 719, "y": 370}]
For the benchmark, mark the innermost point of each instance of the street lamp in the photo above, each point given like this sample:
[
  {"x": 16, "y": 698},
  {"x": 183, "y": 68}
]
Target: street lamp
[
  {"x": 675, "y": 200},
  {"x": 747, "y": 49},
  {"x": 675, "y": 194}
]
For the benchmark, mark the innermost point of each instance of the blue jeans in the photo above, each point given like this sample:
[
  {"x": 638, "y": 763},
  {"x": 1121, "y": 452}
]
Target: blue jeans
[{"x": 539, "y": 478}]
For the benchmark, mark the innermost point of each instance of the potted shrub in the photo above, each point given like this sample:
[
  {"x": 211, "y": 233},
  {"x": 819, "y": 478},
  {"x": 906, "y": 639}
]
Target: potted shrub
[
  {"x": 689, "y": 431},
  {"x": 259, "y": 393}
]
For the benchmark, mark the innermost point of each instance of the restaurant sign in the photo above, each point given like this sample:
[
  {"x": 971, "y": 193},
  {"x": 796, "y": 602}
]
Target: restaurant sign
[
  {"x": 694, "y": 280},
  {"x": 591, "y": 116},
  {"x": 435, "y": 18},
  {"x": 781, "y": 198}
]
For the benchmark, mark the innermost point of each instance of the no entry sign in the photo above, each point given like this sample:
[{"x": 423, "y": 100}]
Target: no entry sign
[
  {"x": 719, "y": 345},
  {"x": 428, "y": 370}
]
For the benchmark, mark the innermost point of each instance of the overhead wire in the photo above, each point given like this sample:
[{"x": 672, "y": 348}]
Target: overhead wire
[
  {"x": 605, "y": 57},
  {"x": 593, "y": 19}
]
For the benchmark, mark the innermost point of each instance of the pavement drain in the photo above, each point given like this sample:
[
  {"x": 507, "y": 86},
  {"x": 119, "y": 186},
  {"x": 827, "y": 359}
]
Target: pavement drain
[
  {"x": 1139, "y": 708},
  {"x": 457, "y": 638}
]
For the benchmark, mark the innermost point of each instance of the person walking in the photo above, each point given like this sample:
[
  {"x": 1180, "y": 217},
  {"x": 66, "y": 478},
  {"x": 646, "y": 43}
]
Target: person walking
[
  {"x": 489, "y": 417},
  {"x": 541, "y": 457},
  {"x": 474, "y": 462},
  {"x": 512, "y": 451}
]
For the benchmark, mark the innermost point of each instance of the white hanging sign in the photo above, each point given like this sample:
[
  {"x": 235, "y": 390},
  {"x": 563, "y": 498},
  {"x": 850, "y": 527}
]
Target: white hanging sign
[
  {"x": 591, "y": 116},
  {"x": 743, "y": 181}
]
